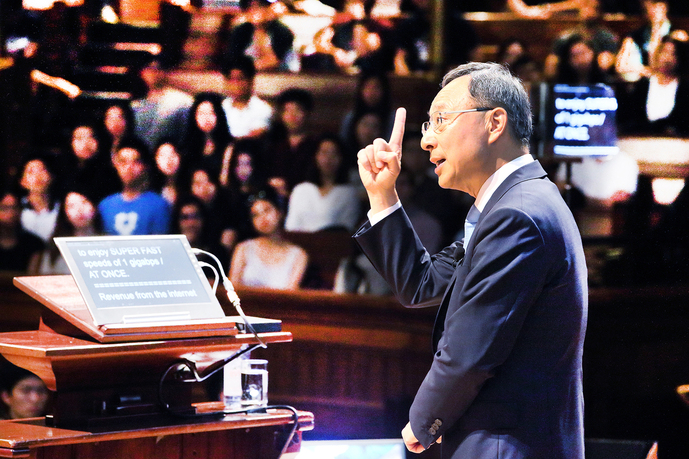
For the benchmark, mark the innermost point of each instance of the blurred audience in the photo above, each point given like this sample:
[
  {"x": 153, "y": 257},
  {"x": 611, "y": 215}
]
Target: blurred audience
[
  {"x": 172, "y": 167},
  {"x": 40, "y": 203},
  {"x": 290, "y": 143},
  {"x": 208, "y": 141},
  {"x": 219, "y": 223},
  {"x": 86, "y": 165},
  {"x": 78, "y": 216},
  {"x": 162, "y": 111},
  {"x": 136, "y": 210},
  {"x": 118, "y": 121},
  {"x": 633, "y": 59},
  {"x": 326, "y": 200},
  {"x": 259, "y": 34},
  {"x": 247, "y": 114},
  {"x": 20, "y": 251},
  {"x": 659, "y": 103}
]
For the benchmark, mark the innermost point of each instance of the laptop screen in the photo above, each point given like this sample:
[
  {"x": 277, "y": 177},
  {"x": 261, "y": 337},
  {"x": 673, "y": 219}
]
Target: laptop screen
[{"x": 139, "y": 279}]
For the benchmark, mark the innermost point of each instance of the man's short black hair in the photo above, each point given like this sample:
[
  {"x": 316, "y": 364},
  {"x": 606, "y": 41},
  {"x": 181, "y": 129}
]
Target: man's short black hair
[
  {"x": 244, "y": 64},
  {"x": 297, "y": 95}
]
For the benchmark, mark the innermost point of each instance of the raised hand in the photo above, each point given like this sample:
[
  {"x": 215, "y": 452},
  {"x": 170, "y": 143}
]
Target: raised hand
[{"x": 379, "y": 165}]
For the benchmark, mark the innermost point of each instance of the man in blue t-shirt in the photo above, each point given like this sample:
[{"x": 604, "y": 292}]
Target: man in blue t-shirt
[{"x": 135, "y": 210}]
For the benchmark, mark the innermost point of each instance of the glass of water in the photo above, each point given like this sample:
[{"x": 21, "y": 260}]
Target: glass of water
[{"x": 254, "y": 383}]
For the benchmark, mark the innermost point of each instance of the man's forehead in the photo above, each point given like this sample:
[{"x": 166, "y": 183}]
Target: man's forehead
[{"x": 452, "y": 96}]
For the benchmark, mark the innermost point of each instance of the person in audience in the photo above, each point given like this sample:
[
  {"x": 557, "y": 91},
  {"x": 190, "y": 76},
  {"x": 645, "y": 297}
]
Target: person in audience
[
  {"x": 413, "y": 37},
  {"x": 366, "y": 127},
  {"x": 247, "y": 114},
  {"x": 40, "y": 204},
  {"x": 427, "y": 227},
  {"x": 326, "y": 200},
  {"x": 162, "y": 111},
  {"x": 136, "y": 210},
  {"x": 591, "y": 28},
  {"x": 78, "y": 217},
  {"x": 633, "y": 59},
  {"x": 189, "y": 218},
  {"x": 86, "y": 166},
  {"x": 175, "y": 24},
  {"x": 23, "y": 394},
  {"x": 246, "y": 179},
  {"x": 373, "y": 93},
  {"x": 172, "y": 170},
  {"x": 443, "y": 204},
  {"x": 219, "y": 224},
  {"x": 208, "y": 141},
  {"x": 290, "y": 144},
  {"x": 659, "y": 104},
  {"x": 259, "y": 34},
  {"x": 268, "y": 260},
  {"x": 578, "y": 64},
  {"x": 20, "y": 251},
  {"x": 510, "y": 51},
  {"x": 118, "y": 121}
]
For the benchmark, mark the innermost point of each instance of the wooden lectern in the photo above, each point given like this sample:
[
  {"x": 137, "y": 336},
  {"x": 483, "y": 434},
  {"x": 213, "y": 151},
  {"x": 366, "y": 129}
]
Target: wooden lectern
[{"x": 111, "y": 395}]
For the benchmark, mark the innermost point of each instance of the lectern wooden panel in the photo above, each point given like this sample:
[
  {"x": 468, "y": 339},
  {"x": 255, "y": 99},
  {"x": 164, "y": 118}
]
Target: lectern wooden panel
[
  {"x": 256, "y": 436},
  {"x": 135, "y": 385}
]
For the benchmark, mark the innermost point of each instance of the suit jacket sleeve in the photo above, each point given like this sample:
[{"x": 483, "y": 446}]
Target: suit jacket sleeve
[{"x": 416, "y": 278}]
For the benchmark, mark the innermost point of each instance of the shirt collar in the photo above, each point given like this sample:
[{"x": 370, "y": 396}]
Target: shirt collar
[{"x": 499, "y": 176}]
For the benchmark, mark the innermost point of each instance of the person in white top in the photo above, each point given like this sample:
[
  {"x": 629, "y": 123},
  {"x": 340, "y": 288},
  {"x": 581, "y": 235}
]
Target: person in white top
[
  {"x": 39, "y": 205},
  {"x": 326, "y": 200},
  {"x": 268, "y": 260},
  {"x": 247, "y": 114},
  {"x": 659, "y": 104}
]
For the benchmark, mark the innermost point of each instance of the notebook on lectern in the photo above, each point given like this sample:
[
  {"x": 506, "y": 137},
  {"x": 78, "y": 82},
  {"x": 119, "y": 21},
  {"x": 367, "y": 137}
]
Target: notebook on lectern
[{"x": 138, "y": 280}]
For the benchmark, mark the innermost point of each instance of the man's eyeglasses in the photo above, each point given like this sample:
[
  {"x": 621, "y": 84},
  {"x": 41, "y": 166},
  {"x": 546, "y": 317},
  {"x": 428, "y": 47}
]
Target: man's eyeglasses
[{"x": 438, "y": 121}]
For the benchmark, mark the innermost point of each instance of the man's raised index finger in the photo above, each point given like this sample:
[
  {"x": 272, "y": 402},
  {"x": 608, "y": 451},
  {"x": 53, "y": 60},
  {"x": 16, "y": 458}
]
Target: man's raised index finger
[{"x": 398, "y": 129}]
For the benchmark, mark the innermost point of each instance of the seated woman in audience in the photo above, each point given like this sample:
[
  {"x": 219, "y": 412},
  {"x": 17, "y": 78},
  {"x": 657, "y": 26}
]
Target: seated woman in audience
[
  {"x": 372, "y": 94},
  {"x": 246, "y": 178},
  {"x": 659, "y": 104},
  {"x": 171, "y": 166},
  {"x": 189, "y": 218},
  {"x": 118, "y": 121},
  {"x": 578, "y": 65},
  {"x": 268, "y": 260},
  {"x": 78, "y": 217},
  {"x": 41, "y": 204},
  {"x": 208, "y": 139},
  {"x": 326, "y": 200},
  {"x": 207, "y": 189},
  {"x": 290, "y": 143},
  {"x": 86, "y": 166},
  {"x": 366, "y": 127},
  {"x": 20, "y": 251},
  {"x": 23, "y": 394}
]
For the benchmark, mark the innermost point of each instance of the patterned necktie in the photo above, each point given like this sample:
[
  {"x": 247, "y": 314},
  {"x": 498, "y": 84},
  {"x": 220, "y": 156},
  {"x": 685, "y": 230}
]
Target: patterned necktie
[{"x": 470, "y": 223}]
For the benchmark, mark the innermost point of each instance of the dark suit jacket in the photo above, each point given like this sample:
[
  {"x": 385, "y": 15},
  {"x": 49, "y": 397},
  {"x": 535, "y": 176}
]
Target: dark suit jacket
[{"x": 506, "y": 378}]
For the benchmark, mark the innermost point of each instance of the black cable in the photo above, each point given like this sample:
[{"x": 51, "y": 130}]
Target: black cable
[{"x": 198, "y": 378}]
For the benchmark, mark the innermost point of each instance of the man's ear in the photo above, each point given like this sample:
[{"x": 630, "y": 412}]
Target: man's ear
[
  {"x": 5, "y": 396},
  {"x": 497, "y": 124}
]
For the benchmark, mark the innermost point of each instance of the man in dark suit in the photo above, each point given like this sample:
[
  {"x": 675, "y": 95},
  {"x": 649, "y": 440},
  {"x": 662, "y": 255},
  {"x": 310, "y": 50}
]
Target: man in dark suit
[{"x": 506, "y": 378}]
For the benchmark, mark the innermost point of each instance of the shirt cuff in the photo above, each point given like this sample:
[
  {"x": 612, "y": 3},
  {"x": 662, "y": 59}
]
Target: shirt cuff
[{"x": 379, "y": 216}]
